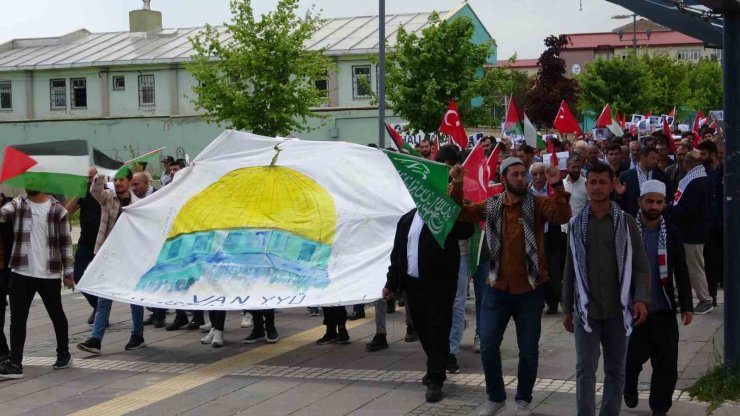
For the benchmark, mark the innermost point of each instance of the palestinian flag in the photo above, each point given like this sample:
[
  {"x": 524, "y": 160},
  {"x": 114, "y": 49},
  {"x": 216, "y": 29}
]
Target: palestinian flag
[
  {"x": 400, "y": 142},
  {"x": 58, "y": 167},
  {"x": 115, "y": 169},
  {"x": 513, "y": 124}
]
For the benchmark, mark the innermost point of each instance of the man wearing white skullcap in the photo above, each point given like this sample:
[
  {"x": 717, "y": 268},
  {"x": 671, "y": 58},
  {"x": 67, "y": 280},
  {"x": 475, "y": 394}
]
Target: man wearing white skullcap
[{"x": 657, "y": 338}]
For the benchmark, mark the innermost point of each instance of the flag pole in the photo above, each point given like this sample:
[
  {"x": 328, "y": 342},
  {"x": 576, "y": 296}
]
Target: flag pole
[{"x": 381, "y": 74}]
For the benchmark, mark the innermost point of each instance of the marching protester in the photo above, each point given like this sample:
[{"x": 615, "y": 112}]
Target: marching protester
[
  {"x": 677, "y": 171},
  {"x": 714, "y": 249},
  {"x": 515, "y": 223},
  {"x": 6, "y": 251},
  {"x": 166, "y": 176},
  {"x": 628, "y": 185},
  {"x": 691, "y": 214},
  {"x": 41, "y": 261},
  {"x": 215, "y": 335},
  {"x": 264, "y": 327},
  {"x": 141, "y": 186},
  {"x": 575, "y": 185},
  {"x": 606, "y": 291},
  {"x": 335, "y": 320},
  {"x": 112, "y": 203},
  {"x": 614, "y": 158},
  {"x": 89, "y": 226},
  {"x": 657, "y": 338},
  {"x": 634, "y": 159}
]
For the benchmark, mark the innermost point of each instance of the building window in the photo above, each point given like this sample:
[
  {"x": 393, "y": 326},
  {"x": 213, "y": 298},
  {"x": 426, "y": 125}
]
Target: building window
[
  {"x": 146, "y": 90},
  {"x": 58, "y": 91},
  {"x": 689, "y": 55},
  {"x": 323, "y": 86},
  {"x": 361, "y": 81},
  {"x": 119, "y": 83},
  {"x": 605, "y": 55},
  {"x": 6, "y": 96},
  {"x": 715, "y": 54},
  {"x": 79, "y": 92}
]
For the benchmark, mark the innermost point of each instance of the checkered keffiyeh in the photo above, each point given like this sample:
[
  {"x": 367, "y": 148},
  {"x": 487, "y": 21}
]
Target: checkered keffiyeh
[
  {"x": 696, "y": 172},
  {"x": 494, "y": 216}
]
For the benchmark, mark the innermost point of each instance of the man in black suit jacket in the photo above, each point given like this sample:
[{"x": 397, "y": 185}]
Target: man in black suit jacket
[
  {"x": 430, "y": 287},
  {"x": 657, "y": 338},
  {"x": 628, "y": 186}
]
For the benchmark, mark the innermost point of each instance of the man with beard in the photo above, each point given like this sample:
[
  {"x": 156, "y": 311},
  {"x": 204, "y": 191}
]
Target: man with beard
[
  {"x": 488, "y": 143},
  {"x": 628, "y": 185},
  {"x": 714, "y": 250},
  {"x": 606, "y": 288},
  {"x": 515, "y": 224},
  {"x": 426, "y": 148},
  {"x": 677, "y": 171},
  {"x": 657, "y": 339},
  {"x": 575, "y": 185},
  {"x": 634, "y": 148}
]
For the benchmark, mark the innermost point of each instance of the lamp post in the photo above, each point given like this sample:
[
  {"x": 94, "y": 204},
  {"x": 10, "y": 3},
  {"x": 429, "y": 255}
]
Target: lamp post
[
  {"x": 634, "y": 39},
  {"x": 381, "y": 73}
]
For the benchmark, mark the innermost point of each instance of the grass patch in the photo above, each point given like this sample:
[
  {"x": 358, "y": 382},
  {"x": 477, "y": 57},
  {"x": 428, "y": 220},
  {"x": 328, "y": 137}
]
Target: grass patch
[{"x": 720, "y": 384}]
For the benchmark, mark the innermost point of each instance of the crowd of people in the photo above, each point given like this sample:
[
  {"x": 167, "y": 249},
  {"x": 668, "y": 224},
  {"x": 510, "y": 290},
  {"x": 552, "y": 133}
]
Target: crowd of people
[{"x": 615, "y": 242}]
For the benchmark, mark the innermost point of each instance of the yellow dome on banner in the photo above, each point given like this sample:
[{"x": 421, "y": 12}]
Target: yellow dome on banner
[{"x": 264, "y": 197}]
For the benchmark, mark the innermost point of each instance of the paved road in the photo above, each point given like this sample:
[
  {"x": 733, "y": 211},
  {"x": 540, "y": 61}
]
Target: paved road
[{"x": 176, "y": 375}]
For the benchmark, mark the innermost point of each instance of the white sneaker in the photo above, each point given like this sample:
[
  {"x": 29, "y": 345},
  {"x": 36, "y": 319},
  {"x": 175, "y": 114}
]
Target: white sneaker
[
  {"x": 476, "y": 344},
  {"x": 218, "y": 339},
  {"x": 493, "y": 408},
  {"x": 247, "y": 320},
  {"x": 208, "y": 338},
  {"x": 206, "y": 327},
  {"x": 523, "y": 408}
]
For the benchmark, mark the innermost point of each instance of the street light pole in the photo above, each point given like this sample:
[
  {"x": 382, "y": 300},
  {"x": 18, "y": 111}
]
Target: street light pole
[
  {"x": 634, "y": 33},
  {"x": 381, "y": 74}
]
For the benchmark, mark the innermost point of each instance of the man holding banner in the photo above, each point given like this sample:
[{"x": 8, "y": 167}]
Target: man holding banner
[{"x": 515, "y": 224}]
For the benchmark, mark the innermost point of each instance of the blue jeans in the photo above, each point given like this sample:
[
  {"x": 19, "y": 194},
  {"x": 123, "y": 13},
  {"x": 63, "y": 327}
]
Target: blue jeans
[
  {"x": 102, "y": 313},
  {"x": 497, "y": 308},
  {"x": 479, "y": 283},
  {"x": 458, "y": 307},
  {"x": 83, "y": 256},
  {"x": 611, "y": 336}
]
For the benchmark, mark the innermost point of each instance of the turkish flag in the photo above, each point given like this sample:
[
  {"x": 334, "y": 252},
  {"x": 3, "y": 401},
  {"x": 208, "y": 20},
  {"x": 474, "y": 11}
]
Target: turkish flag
[
  {"x": 605, "y": 119},
  {"x": 564, "y": 122},
  {"x": 649, "y": 113},
  {"x": 475, "y": 181},
  {"x": 669, "y": 135},
  {"x": 15, "y": 163},
  {"x": 673, "y": 112},
  {"x": 697, "y": 137},
  {"x": 452, "y": 126},
  {"x": 493, "y": 168}
]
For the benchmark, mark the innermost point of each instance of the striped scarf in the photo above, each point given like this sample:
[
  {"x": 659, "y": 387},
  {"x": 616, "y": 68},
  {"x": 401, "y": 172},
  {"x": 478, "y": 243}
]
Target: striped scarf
[
  {"x": 662, "y": 249},
  {"x": 577, "y": 235},
  {"x": 696, "y": 172},
  {"x": 641, "y": 177},
  {"x": 494, "y": 216}
]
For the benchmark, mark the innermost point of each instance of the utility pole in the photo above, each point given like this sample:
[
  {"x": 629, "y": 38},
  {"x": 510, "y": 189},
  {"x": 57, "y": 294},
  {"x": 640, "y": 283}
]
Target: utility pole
[
  {"x": 381, "y": 74},
  {"x": 731, "y": 69},
  {"x": 634, "y": 32}
]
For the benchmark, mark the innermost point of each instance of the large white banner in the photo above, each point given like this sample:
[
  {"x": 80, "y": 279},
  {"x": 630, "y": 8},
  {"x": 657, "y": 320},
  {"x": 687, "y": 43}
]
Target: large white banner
[{"x": 258, "y": 223}]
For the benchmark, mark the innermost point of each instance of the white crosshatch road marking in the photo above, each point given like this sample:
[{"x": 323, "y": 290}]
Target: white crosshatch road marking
[{"x": 547, "y": 385}]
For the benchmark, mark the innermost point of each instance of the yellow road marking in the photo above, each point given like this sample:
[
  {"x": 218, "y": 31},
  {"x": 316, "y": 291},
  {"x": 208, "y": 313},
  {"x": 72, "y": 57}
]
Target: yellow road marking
[{"x": 170, "y": 387}]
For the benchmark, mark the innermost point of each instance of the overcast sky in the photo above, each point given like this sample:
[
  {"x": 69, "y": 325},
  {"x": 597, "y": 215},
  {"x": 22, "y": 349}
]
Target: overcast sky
[{"x": 518, "y": 25}]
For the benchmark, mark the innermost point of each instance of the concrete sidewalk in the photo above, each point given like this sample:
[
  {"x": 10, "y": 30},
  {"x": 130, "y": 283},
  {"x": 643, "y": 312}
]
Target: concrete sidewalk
[{"x": 176, "y": 375}]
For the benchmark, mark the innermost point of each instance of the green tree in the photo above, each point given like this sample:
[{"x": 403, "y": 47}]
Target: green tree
[
  {"x": 424, "y": 72},
  {"x": 261, "y": 78},
  {"x": 705, "y": 84},
  {"x": 619, "y": 82},
  {"x": 502, "y": 82}
]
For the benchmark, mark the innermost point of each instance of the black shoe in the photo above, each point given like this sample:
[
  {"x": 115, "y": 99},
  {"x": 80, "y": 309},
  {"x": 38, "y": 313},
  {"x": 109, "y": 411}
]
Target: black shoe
[
  {"x": 63, "y": 361},
  {"x": 328, "y": 338},
  {"x": 378, "y": 343},
  {"x": 158, "y": 323},
  {"x": 434, "y": 392},
  {"x": 343, "y": 336},
  {"x": 91, "y": 318},
  {"x": 194, "y": 325},
  {"x": 177, "y": 324},
  {"x": 452, "y": 366},
  {"x": 255, "y": 336},
  {"x": 271, "y": 335},
  {"x": 356, "y": 315},
  {"x": 390, "y": 306},
  {"x": 92, "y": 345},
  {"x": 425, "y": 380},
  {"x": 401, "y": 303},
  {"x": 659, "y": 413},
  {"x": 134, "y": 343},
  {"x": 411, "y": 335},
  {"x": 551, "y": 310},
  {"x": 11, "y": 370},
  {"x": 4, "y": 357},
  {"x": 714, "y": 301},
  {"x": 313, "y": 311},
  {"x": 149, "y": 320},
  {"x": 631, "y": 400}
]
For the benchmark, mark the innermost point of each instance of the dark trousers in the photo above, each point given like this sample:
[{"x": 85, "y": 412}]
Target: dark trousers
[
  {"x": 182, "y": 315},
  {"x": 218, "y": 319},
  {"x": 359, "y": 308},
  {"x": 334, "y": 316},
  {"x": 4, "y": 280},
  {"x": 657, "y": 340},
  {"x": 22, "y": 291},
  {"x": 555, "y": 248},
  {"x": 497, "y": 308},
  {"x": 159, "y": 314},
  {"x": 431, "y": 312},
  {"x": 83, "y": 256},
  {"x": 714, "y": 259},
  {"x": 263, "y": 319}
]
